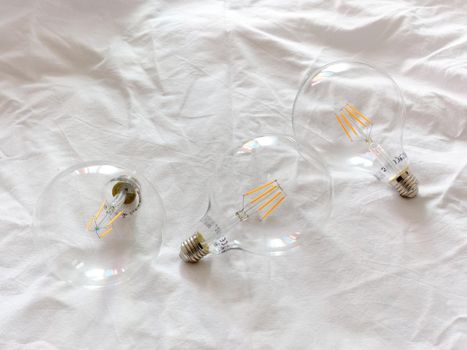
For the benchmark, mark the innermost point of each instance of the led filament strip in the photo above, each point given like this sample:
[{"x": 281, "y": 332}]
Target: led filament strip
[
  {"x": 351, "y": 118},
  {"x": 264, "y": 203}
]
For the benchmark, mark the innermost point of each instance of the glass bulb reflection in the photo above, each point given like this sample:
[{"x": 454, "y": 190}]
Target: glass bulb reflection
[
  {"x": 264, "y": 198},
  {"x": 354, "y": 113}
]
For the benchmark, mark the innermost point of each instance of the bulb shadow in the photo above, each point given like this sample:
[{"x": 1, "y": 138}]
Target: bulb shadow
[
  {"x": 379, "y": 218},
  {"x": 414, "y": 210},
  {"x": 198, "y": 273},
  {"x": 225, "y": 278},
  {"x": 416, "y": 218}
]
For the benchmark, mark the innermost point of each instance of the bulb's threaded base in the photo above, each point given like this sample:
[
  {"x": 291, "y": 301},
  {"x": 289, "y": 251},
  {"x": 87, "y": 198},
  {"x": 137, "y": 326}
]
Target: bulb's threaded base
[
  {"x": 405, "y": 183},
  {"x": 194, "y": 248}
]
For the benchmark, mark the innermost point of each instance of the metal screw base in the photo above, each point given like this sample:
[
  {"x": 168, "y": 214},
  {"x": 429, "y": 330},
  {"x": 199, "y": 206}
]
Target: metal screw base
[
  {"x": 406, "y": 184},
  {"x": 194, "y": 248}
]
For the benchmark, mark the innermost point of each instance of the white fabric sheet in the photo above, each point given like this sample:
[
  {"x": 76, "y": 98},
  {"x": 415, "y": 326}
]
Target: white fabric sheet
[{"x": 168, "y": 87}]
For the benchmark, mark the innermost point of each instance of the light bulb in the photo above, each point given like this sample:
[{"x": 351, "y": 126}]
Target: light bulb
[
  {"x": 94, "y": 226},
  {"x": 354, "y": 114},
  {"x": 265, "y": 198}
]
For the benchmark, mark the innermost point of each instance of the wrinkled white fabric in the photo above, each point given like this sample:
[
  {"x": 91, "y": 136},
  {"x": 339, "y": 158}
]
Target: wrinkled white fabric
[{"x": 167, "y": 87}]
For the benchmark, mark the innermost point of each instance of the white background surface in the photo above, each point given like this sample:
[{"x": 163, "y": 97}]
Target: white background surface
[{"x": 171, "y": 86}]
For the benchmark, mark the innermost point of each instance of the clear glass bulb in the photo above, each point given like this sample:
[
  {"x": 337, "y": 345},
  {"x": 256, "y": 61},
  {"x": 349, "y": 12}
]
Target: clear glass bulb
[
  {"x": 94, "y": 225},
  {"x": 355, "y": 113},
  {"x": 265, "y": 198}
]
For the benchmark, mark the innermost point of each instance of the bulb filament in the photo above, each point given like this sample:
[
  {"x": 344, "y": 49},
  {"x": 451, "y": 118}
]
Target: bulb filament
[
  {"x": 351, "y": 119},
  {"x": 267, "y": 198},
  {"x": 102, "y": 222}
]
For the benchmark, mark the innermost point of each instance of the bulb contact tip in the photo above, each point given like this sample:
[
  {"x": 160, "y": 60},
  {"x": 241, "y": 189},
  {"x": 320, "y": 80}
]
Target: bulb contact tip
[
  {"x": 194, "y": 248},
  {"x": 406, "y": 184}
]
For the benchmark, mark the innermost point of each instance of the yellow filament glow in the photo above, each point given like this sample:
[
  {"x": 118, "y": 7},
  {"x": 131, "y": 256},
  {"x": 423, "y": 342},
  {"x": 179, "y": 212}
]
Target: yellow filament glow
[
  {"x": 114, "y": 218},
  {"x": 343, "y": 127},
  {"x": 353, "y": 114},
  {"x": 348, "y": 123},
  {"x": 263, "y": 194},
  {"x": 103, "y": 234},
  {"x": 349, "y": 110},
  {"x": 88, "y": 225},
  {"x": 93, "y": 218},
  {"x": 368, "y": 120},
  {"x": 269, "y": 201},
  {"x": 100, "y": 210},
  {"x": 272, "y": 208},
  {"x": 259, "y": 188},
  {"x": 269, "y": 190}
]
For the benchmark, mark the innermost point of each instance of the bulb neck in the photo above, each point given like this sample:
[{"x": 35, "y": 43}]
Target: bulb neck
[
  {"x": 405, "y": 183},
  {"x": 130, "y": 188},
  {"x": 194, "y": 248}
]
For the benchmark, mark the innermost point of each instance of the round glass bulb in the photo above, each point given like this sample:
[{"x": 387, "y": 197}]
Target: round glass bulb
[
  {"x": 265, "y": 199},
  {"x": 95, "y": 226},
  {"x": 354, "y": 114}
]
